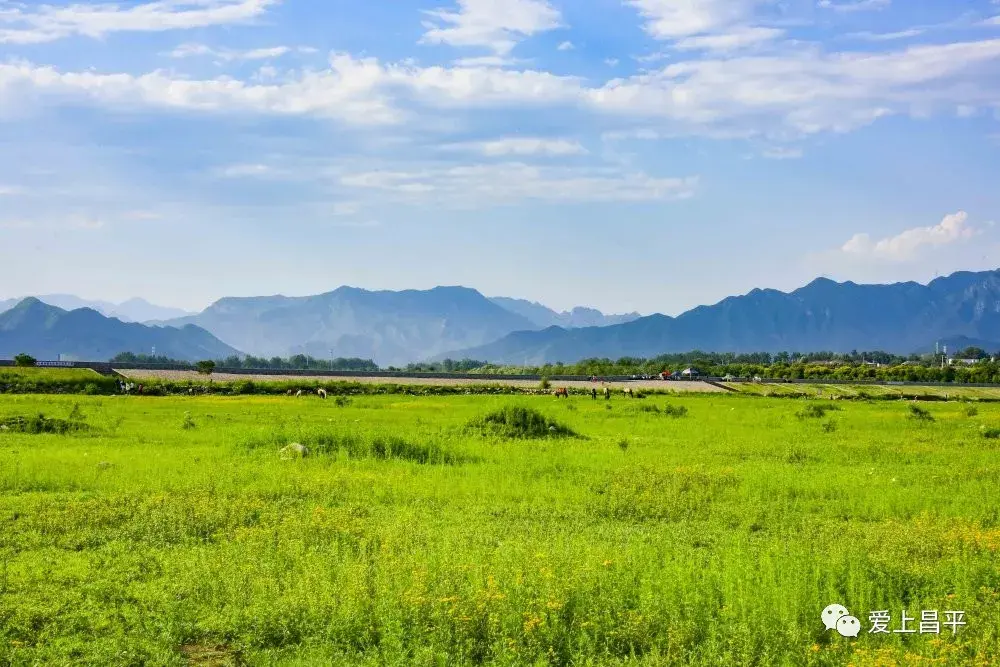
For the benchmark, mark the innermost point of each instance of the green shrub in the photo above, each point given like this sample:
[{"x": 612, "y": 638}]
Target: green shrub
[
  {"x": 971, "y": 411},
  {"x": 40, "y": 424},
  {"x": 515, "y": 422},
  {"x": 990, "y": 433},
  {"x": 829, "y": 426},
  {"x": 675, "y": 411},
  {"x": 244, "y": 388},
  {"x": 206, "y": 367},
  {"x": 24, "y": 360},
  {"x": 188, "y": 423},
  {"x": 545, "y": 384},
  {"x": 816, "y": 411},
  {"x": 920, "y": 414}
]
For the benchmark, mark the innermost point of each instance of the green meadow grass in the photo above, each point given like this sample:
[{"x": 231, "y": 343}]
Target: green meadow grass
[
  {"x": 36, "y": 374},
  {"x": 172, "y": 532},
  {"x": 819, "y": 389}
]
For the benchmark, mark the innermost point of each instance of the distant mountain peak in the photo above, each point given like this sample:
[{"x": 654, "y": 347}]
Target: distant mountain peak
[
  {"x": 823, "y": 316},
  {"x": 48, "y": 333}
]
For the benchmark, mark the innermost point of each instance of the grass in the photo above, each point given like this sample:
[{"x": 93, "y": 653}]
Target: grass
[
  {"x": 819, "y": 389},
  {"x": 35, "y": 373},
  {"x": 404, "y": 538}
]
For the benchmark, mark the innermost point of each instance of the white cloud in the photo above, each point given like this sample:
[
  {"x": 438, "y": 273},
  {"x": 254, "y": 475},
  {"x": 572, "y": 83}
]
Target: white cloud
[
  {"x": 806, "y": 92},
  {"x": 778, "y": 95},
  {"x": 358, "y": 91},
  {"x": 228, "y": 55},
  {"x": 673, "y": 19},
  {"x": 475, "y": 186},
  {"x": 781, "y": 153},
  {"x": 246, "y": 171},
  {"x": 33, "y": 24},
  {"x": 498, "y": 26},
  {"x": 565, "y": 46},
  {"x": 611, "y": 62},
  {"x": 907, "y": 245},
  {"x": 522, "y": 146},
  {"x": 736, "y": 38},
  {"x": 487, "y": 61},
  {"x": 854, "y": 5},
  {"x": 10, "y": 190},
  {"x": 886, "y": 36}
]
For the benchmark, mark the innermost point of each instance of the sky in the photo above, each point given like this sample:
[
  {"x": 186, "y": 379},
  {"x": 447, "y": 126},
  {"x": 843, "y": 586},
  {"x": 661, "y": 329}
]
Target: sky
[{"x": 629, "y": 155}]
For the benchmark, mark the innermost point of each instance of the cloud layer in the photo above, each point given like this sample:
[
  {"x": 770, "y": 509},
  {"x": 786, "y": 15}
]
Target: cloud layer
[
  {"x": 33, "y": 24},
  {"x": 909, "y": 244}
]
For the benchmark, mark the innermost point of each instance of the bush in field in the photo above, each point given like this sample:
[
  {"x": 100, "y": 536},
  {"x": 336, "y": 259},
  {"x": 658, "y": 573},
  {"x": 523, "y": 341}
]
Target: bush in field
[
  {"x": 545, "y": 384},
  {"x": 675, "y": 411},
  {"x": 971, "y": 411},
  {"x": 990, "y": 433},
  {"x": 649, "y": 408},
  {"x": 920, "y": 414},
  {"x": 342, "y": 401},
  {"x": 516, "y": 422},
  {"x": 188, "y": 423},
  {"x": 206, "y": 367},
  {"x": 40, "y": 424},
  {"x": 816, "y": 411},
  {"x": 244, "y": 388},
  {"x": 24, "y": 360},
  {"x": 829, "y": 426}
]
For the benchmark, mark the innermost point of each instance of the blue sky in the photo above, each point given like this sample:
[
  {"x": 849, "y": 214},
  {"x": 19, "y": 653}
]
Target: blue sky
[{"x": 646, "y": 155}]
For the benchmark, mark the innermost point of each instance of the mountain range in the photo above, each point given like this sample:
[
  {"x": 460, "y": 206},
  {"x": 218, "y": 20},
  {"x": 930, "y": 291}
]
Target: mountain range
[
  {"x": 50, "y": 333},
  {"x": 544, "y": 317},
  {"x": 133, "y": 310},
  {"x": 822, "y": 316},
  {"x": 394, "y": 328}
]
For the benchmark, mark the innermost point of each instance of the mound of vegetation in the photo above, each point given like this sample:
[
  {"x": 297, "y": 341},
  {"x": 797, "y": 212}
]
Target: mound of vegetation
[
  {"x": 515, "y": 422},
  {"x": 816, "y": 411},
  {"x": 920, "y": 414},
  {"x": 990, "y": 433},
  {"x": 675, "y": 411},
  {"x": 320, "y": 442},
  {"x": 39, "y": 424}
]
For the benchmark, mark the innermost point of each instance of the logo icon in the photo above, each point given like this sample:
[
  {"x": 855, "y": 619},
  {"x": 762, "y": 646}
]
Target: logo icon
[
  {"x": 832, "y": 614},
  {"x": 848, "y": 626}
]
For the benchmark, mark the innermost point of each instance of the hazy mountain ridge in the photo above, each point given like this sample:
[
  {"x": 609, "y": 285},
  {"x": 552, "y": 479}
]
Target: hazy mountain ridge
[
  {"x": 46, "y": 332},
  {"x": 134, "y": 310},
  {"x": 544, "y": 317},
  {"x": 823, "y": 315},
  {"x": 389, "y": 327}
]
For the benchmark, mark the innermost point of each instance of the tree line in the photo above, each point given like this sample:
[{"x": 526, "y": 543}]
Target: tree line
[{"x": 855, "y": 365}]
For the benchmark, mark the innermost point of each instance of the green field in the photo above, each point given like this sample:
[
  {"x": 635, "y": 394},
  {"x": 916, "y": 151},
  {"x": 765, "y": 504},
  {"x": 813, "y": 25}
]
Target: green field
[
  {"x": 170, "y": 531},
  {"x": 36, "y": 374},
  {"x": 819, "y": 389}
]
